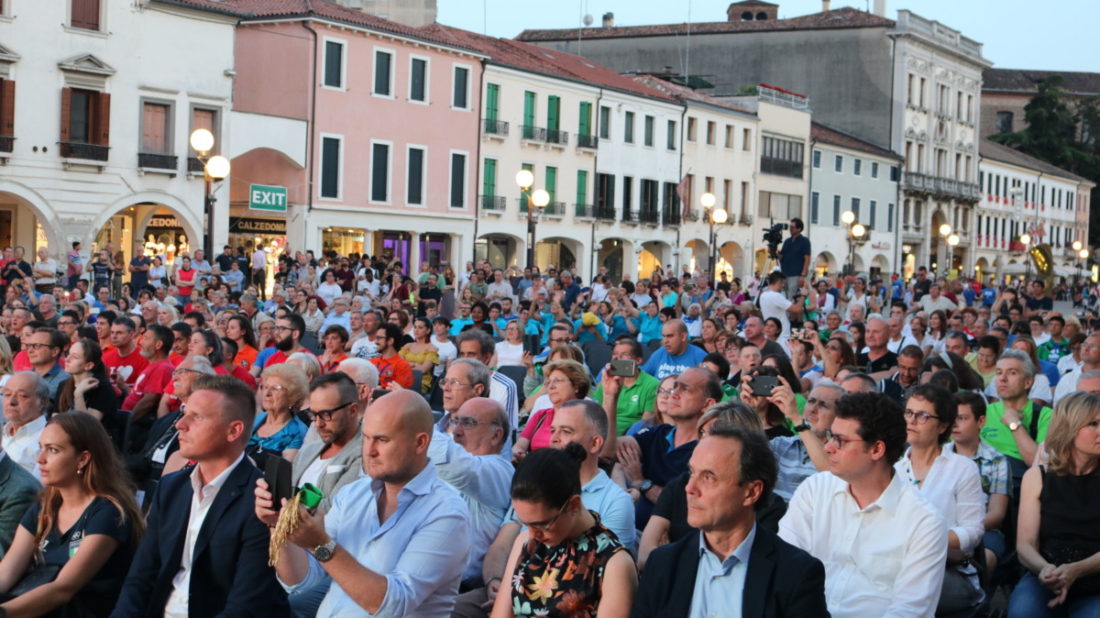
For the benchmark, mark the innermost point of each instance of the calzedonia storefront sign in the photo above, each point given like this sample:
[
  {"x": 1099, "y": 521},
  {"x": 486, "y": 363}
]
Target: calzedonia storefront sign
[{"x": 249, "y": 225}]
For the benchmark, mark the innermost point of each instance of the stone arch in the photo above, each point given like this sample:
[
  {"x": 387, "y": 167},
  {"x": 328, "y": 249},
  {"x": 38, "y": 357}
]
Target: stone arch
[
  {"x": 731, "y": 260},
  {"x": 825, "y": 264},
  {"x": 189, "y": 220},
  {"x": 613, "y": 253},
  {"x": 55, "y": 228}
]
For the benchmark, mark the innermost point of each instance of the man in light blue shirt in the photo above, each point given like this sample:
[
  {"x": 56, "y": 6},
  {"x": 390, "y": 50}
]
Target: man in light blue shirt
[
  {"x": 468, "y": 458},
  {"x": 676, "y": 354},
  {"x": 396, "y": 543},
  {"x": 339, "y": 316}
]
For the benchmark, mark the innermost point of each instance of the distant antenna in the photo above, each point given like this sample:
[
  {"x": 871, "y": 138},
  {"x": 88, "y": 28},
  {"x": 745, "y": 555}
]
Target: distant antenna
[{"x": 587, "y": 21}]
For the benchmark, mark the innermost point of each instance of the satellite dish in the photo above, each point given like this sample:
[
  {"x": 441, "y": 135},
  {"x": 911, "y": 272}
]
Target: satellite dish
[{"x": 587, "y": 21}]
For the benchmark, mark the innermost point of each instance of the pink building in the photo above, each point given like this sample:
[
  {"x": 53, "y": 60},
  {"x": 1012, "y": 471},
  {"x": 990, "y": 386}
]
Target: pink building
[{"x": 372, "y": 126}]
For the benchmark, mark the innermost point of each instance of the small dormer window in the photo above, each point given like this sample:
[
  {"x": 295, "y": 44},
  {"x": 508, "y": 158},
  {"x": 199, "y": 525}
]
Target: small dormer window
[
  {"x": 746, "y": 16},
  {"x": 761, "y": 16}
]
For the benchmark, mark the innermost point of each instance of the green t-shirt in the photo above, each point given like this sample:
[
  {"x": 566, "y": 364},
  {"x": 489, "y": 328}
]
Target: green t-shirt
[
  {"x": 999, "y": 436},
  {"x": 633, "y": 401}
]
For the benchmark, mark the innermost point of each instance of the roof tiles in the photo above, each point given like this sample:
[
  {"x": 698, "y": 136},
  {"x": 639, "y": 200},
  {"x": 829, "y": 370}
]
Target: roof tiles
[
  {"x": 1005, "y": 154},
  {"x": 828, "y": 135}
]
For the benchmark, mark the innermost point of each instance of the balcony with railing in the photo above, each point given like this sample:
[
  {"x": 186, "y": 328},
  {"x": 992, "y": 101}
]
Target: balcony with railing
[
  {"x": 781, "y": 167},
  {"x": 555, "y": 210},
  {"x": 584, "y": 211},
  {"x": 7, "y": 143},
  {"x": 560, "y": 138},
  {"x": 629, "y": 217},
  {"x": 605, "y": 212},
  {"x": 494, "y": 128},
  {"x": 81, "y": 150},
  {"x": 671, "y": 217},
  {"x": 492, "y": 204},
  {"x": 532, "y": 133},
  {"x": 938, "y": 186},
  {"x": 195, "y": 165},
  {"x": 148, "y": 160},
  {"x": 587, "y": 141},
  {"x": 650, "y": 216}
]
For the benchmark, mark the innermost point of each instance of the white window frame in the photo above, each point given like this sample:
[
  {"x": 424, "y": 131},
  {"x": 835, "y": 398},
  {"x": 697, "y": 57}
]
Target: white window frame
[
  {"x": 339, "y": 172},
  {"x": 389, "y": 173},
  {"x": 423, "y": 175},
  {"x": 469, "y": 90},
  {"x": 374, "y": 67},
  {"x": 465, "y": 176},
  {"x": 343, "y": 87},
  {"x": 427, "y": 80}
]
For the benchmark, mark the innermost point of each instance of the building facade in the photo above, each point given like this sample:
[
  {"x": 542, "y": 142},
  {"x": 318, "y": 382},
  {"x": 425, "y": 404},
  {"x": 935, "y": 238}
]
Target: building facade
[
  {"x": 851, "y": 175},
  {"x": 1022, "y": 195},
  {"x": 94, "y": 137}
]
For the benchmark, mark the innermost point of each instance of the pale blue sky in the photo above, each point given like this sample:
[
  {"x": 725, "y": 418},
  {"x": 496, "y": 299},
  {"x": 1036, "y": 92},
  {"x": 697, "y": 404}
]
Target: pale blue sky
[{"x": 1056, "y": 34}]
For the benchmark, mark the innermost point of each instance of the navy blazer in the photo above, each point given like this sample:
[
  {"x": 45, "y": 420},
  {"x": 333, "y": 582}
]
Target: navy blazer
[
  {"x": 229, "y": 571},
  {"x": 782, "y": 580}
]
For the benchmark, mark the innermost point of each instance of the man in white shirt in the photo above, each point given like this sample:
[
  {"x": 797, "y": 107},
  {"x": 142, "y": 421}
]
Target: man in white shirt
[
  {"x": 1090, "y": 361},
  {"x": 26, "y": 397},
  {"x": 884, "y": 547},
  {"x": 773, "y": 304},
  {"x": 499, "y": 288},
  {"x": 936, "y": 302},
  {"x": 259, "y": 269}
]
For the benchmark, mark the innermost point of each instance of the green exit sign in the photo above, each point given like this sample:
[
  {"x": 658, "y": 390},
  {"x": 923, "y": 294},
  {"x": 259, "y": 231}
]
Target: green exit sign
[{"x": 269, "y": 198}]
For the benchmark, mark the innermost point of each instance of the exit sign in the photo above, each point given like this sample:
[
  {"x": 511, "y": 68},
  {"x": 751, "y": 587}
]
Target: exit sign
[{"x": 265, "y": 197}]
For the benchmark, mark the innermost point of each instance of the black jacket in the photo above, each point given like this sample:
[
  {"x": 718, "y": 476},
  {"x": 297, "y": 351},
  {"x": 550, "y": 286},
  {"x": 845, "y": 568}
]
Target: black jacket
[{"x": 782, "y": 580}]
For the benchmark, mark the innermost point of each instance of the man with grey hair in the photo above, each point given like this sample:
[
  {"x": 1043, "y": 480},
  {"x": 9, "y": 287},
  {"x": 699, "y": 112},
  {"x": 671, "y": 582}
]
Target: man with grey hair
[
  {"x": 468, "y": 457},
  {"x": 465, "y": 379},
  {"x": 803, "y": 454},
  {"x": 47, "y": 310},
  {"x": 858, "y": 383},
  {"x": 1090, "y": 361},
  {"x": 338, "y": 315},
  {"x": 26, "y": 399},
  {"x": 365, "y": 376},
  {"x": 1013, "y": 425},
  {"x": 478, "y": 345}
]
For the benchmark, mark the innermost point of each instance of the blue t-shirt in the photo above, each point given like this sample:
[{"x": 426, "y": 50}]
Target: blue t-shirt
[
  {"x": 139, "y": 279},
  {"x": 662, "y": 364},
  {"x": 649, "y": 327},
  {"x": 793, "y": 255},
  {"x": 289, "y": 436},
  {"x": 989, "y": 296},
  {"x": 584, "y": 335},
  {"x": 968, "y": 294}
]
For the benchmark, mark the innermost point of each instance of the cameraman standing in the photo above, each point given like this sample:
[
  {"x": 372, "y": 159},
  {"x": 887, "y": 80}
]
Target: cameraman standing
[{"x": 794, "y": 258}]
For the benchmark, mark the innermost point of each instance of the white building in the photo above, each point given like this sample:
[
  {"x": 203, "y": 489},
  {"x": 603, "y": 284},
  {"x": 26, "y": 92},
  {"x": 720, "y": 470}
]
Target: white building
[
  {"x": 851, "y": 175},
  {"x": 99, "y": 101},
  {"x": 1023, "y": 195}
]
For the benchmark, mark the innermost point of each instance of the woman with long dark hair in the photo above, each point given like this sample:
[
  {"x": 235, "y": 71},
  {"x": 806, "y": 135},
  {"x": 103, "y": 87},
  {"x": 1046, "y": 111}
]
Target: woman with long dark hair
[
  {"x": 81, "y": 535},
  {"x": 88, "y": 389},
  {"x": 239, "y": 329}
]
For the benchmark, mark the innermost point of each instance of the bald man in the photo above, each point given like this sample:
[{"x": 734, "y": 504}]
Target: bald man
[
  {"x": 675, "y": 355},
  {"x": 878, "y": 361},
  {"x": 395, "y": 543}
]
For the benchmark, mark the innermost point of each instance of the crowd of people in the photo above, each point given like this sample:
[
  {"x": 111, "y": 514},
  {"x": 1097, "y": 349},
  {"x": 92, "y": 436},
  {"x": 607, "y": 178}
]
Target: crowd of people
[{"x": 505, "y": 442}]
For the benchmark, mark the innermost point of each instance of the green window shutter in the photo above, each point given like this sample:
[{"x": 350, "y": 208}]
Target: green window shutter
[
  {"x": 525, "y": 196},
  {"x": 492, "y": 101},
  {"x": 553, "y": 109},
  {"x": 582, "y": 186},
  {"x": 552, "y": 183},
  {"x": 489, "y": 182},
  {"x": 529, "y": 101},
  {"x": 586, "y": 119}
]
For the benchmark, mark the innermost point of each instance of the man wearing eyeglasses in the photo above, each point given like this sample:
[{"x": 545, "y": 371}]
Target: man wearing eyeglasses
[
  {"x": 883, "y": 546},
  {"x": 803, "y": 455},
  {"x": 44, "y": 347},
  {"x": 468, "y": 457}
]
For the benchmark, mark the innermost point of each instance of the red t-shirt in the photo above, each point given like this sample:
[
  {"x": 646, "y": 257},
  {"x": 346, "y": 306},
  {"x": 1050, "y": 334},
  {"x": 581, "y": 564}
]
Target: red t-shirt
[
  {"x": 22, "y": 362},
  {"x": 155, "y": 378},
  {"x": 185, "y": 281},
  {"x": 393, "y": 369},
  {"x": 242, "y": 374},
  {"x": 129, "y": 366}
]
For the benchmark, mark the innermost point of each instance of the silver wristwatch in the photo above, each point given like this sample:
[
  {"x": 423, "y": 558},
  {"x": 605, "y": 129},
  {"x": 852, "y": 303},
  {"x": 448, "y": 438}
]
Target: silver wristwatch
[{"x": 323, "y": 553}]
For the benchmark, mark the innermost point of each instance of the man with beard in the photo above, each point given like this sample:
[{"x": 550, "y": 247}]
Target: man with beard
[{"x": 288, "y": 338}]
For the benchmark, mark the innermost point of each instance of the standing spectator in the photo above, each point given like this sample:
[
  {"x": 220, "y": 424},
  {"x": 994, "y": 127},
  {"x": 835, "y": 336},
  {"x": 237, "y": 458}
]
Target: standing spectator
[
  {"x": 259, "y": 270},
  {"x": 900, "y": 534},
  {"x": 200, "y": 264},
  {"x": 17, "y": 269},
  {"x": 103, "y": 270},
  {"x": 207, "y": 512},
  {"x": 140, "y": 265},
  {"x": 225, "y": 259},
  {"x": 74, "y": 266},
  {"x": 45, "y": 272},
  {"x": 87, "y": 503},
  {"x": 383, "y": 559},
  {"x": 773, "y": 305},
  {"x": 794, "y": 258}
]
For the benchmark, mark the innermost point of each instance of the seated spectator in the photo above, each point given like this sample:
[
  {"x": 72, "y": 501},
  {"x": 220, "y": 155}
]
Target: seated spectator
[
  {"x": 277, "y": 430},
  {"x": 952, "y": 485},
  {"x": 993, "y": 470},
  {"x": 565, "y": 381},
  {"x": 26, "y": 400},
  {"x": 229, "y": 352},
  {"x": 333, "y": 338},
  {"x": 421, "y": 354},
  {"x": 509, "y": 352},
  {"x": 1015, "y": 425},
  {"x": 732, "y": 473},
  {"x": 1058, "y": 537},
  {"x": 18, "y": 489},
  {"x": 206, "y": 511},
  {"x": 396, "y": 541},
  {"x": 393, "y": 370},
  {"x": 675, "y": 354},
  {"x": 771, "y": 416},
  {"x": 897, "y": 566},
  {"x": 87, "y": 503},
  {"x": 88, "y": 388},
  {"x": 478, "y": 345},
  {"x": 563, "y": 537},
  {"x": 637, "y": 394}
]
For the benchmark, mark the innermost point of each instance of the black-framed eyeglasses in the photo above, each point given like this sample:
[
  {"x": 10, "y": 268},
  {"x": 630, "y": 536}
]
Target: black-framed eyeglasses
[
  {"x": 920, "y": 417},
  {"x": 326, "y": 415},
  {"x": 467, "y": 422},
  {"x": 37, "y": 346},
  {"x": 545, "y": 526},
  {"x": 837, "y": 440}
]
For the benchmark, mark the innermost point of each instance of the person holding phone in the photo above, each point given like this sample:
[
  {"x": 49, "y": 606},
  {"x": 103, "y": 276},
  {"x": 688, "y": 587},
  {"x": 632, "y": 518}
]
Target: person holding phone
[
  {"x": 631, "y": 393},
  {"x": 756, "y": 392}
]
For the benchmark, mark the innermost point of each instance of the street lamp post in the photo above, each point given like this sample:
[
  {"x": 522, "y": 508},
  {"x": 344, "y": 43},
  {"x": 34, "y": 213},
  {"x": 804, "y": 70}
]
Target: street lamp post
[
  {"x": 856, "y": 231},
  {"x": 945, "y": 233},
  {"x": 213, "y": 168},
  {"x": 538, "y": 198},
  {"x": 1025, "y": 240},
  {"x": 714, "y": 215}
]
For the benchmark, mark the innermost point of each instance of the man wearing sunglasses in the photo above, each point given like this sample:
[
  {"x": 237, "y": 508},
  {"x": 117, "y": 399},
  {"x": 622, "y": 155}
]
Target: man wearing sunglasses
[{"x": 884, "y": 547}]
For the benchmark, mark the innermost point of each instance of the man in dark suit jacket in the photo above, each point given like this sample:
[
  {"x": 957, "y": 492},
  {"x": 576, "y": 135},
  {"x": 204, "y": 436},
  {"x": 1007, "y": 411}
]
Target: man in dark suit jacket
[
  {"x": 204, "y": 552},
  {"x": 18, "y": 489},
  {"x": 741, "y": 565}
]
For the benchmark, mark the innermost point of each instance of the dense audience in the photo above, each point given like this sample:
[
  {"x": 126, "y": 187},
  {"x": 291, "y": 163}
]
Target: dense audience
[{"x": 295, "y": 434}]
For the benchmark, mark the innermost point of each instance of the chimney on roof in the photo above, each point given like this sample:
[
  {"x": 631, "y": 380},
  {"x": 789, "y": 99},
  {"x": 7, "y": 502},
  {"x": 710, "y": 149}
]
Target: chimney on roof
[
  {"x": 752, "y": 10},
  {"x": 880, "y": 8},
  {"x": 608, "y": 20},
  {"x": 825, "y": 5}
]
